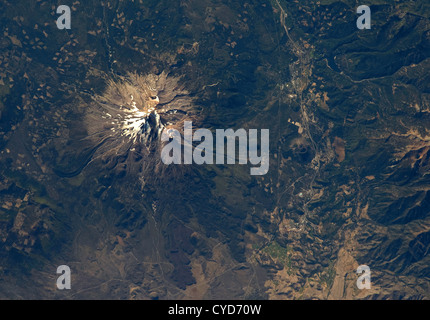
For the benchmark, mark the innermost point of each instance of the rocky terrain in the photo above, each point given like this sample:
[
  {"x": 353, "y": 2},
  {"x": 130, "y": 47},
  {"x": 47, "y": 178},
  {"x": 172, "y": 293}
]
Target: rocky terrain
[{"x": 348, "y": 185}]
